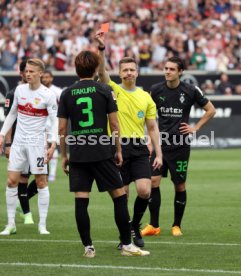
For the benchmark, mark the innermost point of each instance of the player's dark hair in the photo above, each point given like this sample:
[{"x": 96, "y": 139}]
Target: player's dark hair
[
  {"x": 86, "y": 63},
  {"x": 48, "y": 72},
  {"x": 127, "y": 60},
  {"x": 178, "y": 61},
  {"x": 22, "y": 65}
]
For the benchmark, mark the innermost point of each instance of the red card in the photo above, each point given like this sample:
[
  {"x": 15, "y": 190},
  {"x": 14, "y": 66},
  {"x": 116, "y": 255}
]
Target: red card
[{"x": 105, "y": 27}]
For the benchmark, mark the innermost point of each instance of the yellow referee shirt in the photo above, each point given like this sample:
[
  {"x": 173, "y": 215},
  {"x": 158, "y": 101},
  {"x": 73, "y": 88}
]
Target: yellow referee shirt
[{"x": 133, "y": 108}]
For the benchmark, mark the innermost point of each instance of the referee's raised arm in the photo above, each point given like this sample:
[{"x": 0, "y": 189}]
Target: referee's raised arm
[{"x": 102, "y": 73}]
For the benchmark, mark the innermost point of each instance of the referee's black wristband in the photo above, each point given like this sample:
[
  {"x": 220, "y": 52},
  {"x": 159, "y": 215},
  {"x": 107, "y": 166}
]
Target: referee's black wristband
[
  {"x": 101, "y": 48},
  {"x": 8, "y": 145}
]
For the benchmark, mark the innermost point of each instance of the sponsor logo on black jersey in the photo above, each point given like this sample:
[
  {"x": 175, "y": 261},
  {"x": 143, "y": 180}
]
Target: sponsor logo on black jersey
[
  {"x": 182, "y": 98},
  {"x": 171, "y": 110},
  {"x": 162, "y": 98}
]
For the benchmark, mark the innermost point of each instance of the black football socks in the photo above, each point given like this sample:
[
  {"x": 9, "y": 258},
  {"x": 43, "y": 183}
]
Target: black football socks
[
  {"x": 154, "y": 206},
  {"x": 83, "y": 220},
  {"x": 23, "y": 197},
  {"x": 179, "y": 207},
  {"x": 122, "y": 218}
]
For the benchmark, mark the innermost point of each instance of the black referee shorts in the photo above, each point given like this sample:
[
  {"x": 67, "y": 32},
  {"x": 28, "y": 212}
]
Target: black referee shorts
[
  {"x": 176, "y": 162},
  {"x": 105, "y": 173},
  {"x": 136, "y": 162}
]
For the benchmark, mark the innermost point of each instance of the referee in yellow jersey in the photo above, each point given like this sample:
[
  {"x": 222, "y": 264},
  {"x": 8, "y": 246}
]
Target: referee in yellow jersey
[{"x": 135, "y": 109}]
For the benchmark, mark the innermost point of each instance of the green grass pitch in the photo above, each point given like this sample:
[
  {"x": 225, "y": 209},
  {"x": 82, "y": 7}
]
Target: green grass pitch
[{"x": 211, "y": 244}]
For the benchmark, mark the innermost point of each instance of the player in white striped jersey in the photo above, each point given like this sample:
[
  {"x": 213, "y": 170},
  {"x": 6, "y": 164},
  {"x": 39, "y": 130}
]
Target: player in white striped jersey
[
  {"x": 47, "y": 80},
  {"x": 33, "y": 104}
]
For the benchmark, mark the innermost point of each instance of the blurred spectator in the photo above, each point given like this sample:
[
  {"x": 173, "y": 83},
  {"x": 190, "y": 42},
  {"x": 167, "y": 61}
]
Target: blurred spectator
[
  {"x": 130, "y": 53},
  {"x": 211, "y": 57},
  {"x": 222, "y": 62},
  {"x": 208, "y": 87},
  {"x": 238, "y": 89},
  {"x": 158, "y": 52},
  {"x": 198, "y": 59},
  {"x": 60, "y": 57},
  {"x": 144, "y": 58},
  {"x": 8, "y": 56},
  {"x": 225, "y": 87}
]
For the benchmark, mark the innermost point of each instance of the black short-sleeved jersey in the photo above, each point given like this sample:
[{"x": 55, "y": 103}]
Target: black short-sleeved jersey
[
  {"x": 87, "y": 103},
  {"x": 173, "y": 106},
  {"x": 7, "y": 107}
]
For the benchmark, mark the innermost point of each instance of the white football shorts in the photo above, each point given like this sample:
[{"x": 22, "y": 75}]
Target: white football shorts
[{"x": 25, "y": 157}]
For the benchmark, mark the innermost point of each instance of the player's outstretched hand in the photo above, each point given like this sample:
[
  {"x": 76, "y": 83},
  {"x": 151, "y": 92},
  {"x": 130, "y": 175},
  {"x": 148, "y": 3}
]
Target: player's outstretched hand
[
  {"x": 187, "y": 129},
  {"x": 65, "y": 165}
]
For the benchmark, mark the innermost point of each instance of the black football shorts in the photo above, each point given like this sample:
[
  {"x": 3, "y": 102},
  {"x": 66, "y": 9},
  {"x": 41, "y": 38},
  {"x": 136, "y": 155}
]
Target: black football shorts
[
  {"x": 135, "y": 163},
  {"x": 176, "y": 162},
  {"x": 105, "y": 173}
]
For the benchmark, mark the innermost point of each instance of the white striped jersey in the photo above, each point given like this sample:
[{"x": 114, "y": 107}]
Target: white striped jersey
[{"x": 33, "y": 108}]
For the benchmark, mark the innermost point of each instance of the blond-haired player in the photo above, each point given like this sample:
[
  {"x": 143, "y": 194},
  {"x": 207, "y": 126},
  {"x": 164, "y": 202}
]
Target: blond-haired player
[{"x": 33, "y": 104}]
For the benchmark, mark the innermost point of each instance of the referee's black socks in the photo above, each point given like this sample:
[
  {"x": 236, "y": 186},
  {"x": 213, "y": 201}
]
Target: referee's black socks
[{"x": 140, "y": 206}]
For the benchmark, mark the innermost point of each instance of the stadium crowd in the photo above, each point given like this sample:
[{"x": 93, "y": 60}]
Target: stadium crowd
[{"x": 206, "y": 34}]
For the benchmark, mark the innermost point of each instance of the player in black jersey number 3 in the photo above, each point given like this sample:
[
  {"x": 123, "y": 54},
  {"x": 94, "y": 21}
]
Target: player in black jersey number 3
[{"x": 90, "y": 105}]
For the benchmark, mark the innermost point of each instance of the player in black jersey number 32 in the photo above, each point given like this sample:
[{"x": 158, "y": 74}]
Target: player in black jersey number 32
[{"x": 174, "y": 100}]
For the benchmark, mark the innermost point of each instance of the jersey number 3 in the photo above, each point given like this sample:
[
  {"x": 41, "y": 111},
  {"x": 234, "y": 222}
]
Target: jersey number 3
[{"x": 88, "y": 111}]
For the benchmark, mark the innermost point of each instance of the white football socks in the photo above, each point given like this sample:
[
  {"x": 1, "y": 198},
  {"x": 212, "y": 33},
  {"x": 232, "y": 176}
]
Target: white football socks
[
  {"x": 43, "y": 205},
  {"x": 11, "y": 200}
]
